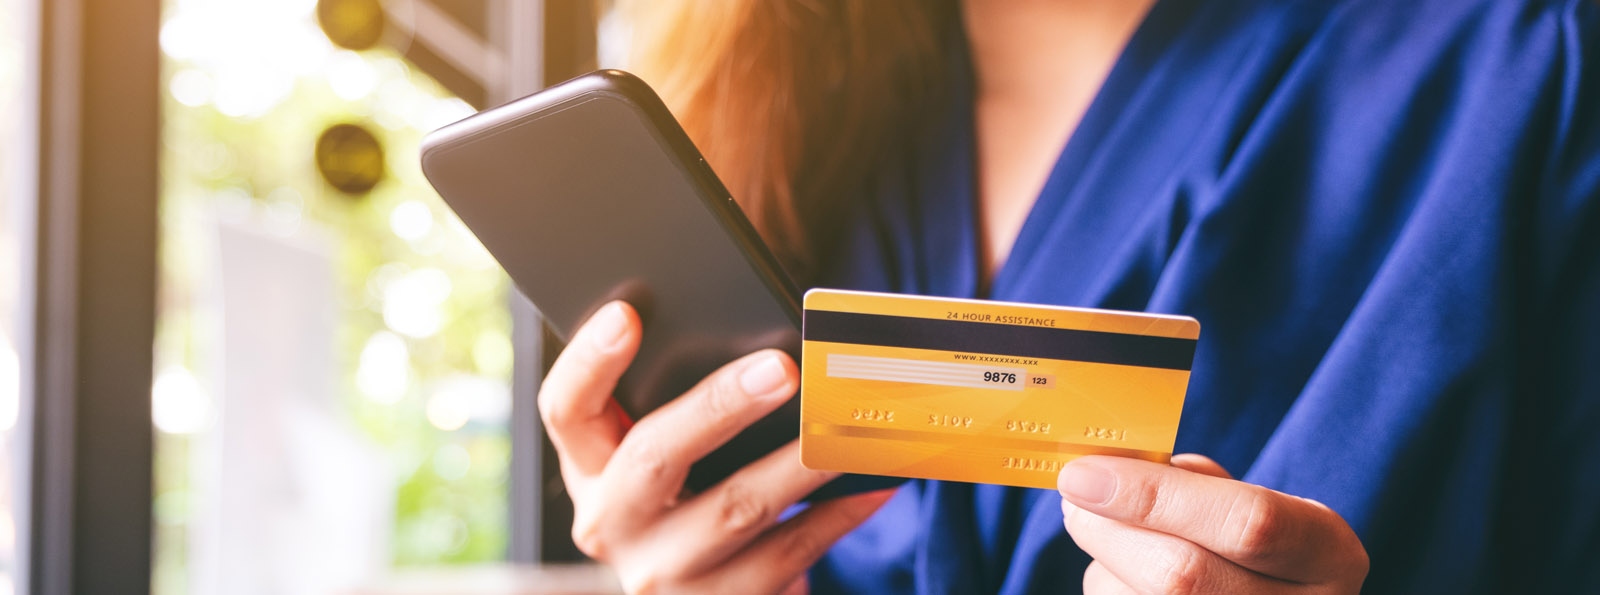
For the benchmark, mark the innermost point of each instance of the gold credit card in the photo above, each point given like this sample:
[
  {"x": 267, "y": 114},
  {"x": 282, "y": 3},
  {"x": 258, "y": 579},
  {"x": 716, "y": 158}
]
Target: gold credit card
[{"x": 986, "y": 392}]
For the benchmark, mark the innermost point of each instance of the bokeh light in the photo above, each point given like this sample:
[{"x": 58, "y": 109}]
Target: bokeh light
[
  {"x": 384, "y": 374},
  {"x": 178, "y": 404},
  {"x": 413, "y": 304},
  {"x": 411, "y": 220}
]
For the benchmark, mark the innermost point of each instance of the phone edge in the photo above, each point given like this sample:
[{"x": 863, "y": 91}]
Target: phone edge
[{"x": 638, "y": 95}]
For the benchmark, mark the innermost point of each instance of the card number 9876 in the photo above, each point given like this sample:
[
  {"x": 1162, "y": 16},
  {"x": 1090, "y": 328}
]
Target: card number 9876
[{"x": 1000, "y": 377}]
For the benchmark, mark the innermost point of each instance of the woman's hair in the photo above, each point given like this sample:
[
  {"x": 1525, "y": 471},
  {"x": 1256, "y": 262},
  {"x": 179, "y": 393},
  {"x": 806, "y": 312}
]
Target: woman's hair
[{"x": 793, "y": 102}]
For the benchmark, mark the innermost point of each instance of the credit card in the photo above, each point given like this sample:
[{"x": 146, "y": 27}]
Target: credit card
[{"x": 982, "y": 391}]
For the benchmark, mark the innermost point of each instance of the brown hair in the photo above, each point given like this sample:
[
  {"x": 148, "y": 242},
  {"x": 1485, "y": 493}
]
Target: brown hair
[{"x": 793, "y": 102}]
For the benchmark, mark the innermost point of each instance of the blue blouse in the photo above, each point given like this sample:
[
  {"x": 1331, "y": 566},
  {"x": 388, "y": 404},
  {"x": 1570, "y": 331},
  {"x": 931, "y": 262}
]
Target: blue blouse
[{"x": 1386, "y": 216}]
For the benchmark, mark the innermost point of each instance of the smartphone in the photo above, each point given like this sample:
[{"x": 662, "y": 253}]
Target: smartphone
[{"x": 589, "y": 191}]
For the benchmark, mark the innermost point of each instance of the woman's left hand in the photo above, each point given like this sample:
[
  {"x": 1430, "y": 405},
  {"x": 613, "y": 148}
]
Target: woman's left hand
[{"x": 1192, "y": 528}]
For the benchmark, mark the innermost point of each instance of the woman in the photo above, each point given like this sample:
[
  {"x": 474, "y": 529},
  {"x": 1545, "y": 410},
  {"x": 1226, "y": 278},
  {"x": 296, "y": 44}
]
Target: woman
[{"x": 1385, "y": 214}]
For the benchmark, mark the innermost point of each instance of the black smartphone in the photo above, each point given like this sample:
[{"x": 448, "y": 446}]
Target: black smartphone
[{"x": 590, "y": 191}]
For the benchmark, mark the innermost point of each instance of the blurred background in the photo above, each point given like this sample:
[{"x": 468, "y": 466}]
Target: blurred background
[{"x": 229, "y": 299}]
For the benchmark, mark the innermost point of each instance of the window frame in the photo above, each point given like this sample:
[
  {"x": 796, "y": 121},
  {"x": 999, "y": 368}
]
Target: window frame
[{"x": 94, "y": 299}]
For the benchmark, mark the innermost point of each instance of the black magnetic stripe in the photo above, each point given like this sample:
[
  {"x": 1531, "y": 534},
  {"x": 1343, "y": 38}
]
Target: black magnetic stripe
[{"x": 999, "y": 339}]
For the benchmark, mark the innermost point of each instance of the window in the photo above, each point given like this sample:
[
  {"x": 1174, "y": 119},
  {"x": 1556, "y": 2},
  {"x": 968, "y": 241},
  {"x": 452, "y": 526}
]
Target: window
[
  {"x": 17, "y": 90},
  {"x": 332, "y": 366}
]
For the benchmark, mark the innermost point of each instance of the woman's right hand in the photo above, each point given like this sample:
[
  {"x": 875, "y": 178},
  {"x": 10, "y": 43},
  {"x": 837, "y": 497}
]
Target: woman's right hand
[{"x": 626, "y": 481}]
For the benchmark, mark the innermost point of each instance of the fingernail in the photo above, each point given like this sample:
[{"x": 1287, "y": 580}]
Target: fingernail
[
  {"x": 608, "y": 325},
  {"x": 765, "y": 378},
  {"x": 1087, "y": 483}
]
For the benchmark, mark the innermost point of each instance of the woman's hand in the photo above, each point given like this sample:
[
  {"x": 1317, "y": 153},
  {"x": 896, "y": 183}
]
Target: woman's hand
[
  {"x": 626, "y": 482},
  {"x": 1191, "y": 528}
]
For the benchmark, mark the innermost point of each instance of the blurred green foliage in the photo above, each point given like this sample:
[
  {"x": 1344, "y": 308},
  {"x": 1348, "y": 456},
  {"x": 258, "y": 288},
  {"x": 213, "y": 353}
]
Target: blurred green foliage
[{"x": 250, "y": 160}]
